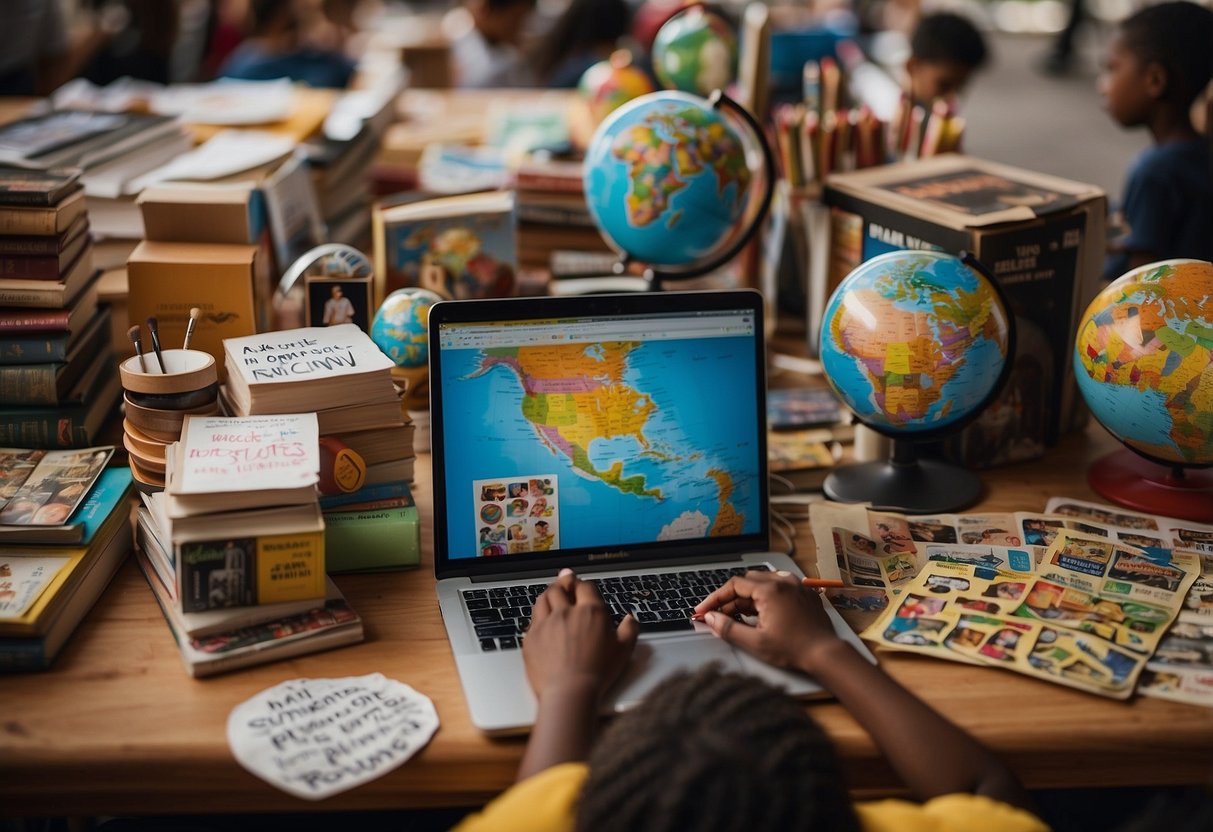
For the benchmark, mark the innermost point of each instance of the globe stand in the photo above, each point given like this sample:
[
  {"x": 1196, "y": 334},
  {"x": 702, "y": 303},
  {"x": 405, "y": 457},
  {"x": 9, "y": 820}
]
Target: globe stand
[
  {"x": 1129, "y": 479},
  {"x": 905, "y": 483}
]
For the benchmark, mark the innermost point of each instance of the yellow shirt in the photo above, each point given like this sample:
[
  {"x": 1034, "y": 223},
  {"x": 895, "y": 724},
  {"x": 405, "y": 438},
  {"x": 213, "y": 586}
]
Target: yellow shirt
[{"x": 547, "y": 802}]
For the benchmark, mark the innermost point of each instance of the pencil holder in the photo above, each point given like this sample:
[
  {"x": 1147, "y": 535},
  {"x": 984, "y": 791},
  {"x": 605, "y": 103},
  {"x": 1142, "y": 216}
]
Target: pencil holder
[{"x": 156, "y": 405}]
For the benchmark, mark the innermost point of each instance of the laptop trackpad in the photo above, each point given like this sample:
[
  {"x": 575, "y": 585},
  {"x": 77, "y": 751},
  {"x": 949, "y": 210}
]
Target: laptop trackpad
[{"x": 657, "y": 659}]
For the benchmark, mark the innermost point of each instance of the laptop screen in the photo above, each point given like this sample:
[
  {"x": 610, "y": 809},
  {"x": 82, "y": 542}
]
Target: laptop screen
[{"x": 599, "y": 428}]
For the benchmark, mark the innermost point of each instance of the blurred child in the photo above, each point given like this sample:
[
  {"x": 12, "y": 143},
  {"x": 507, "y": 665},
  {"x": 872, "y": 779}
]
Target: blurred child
[
  {"x": 723, "y": 751},
  {"x": 276, "y": 48},
  {"x": 1158, "y": 63},
  {"x": 489, "y": 53},
  {"x": 945, "y": 50}
]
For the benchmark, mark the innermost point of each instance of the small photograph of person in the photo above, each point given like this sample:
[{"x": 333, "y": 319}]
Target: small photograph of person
[{"x": 334, "y": 302}]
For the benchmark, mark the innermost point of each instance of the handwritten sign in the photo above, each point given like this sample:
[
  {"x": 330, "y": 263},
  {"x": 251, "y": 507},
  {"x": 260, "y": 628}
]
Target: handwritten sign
[
  {"x": 305, "y": 354},
  {"x": 314, "y": 738},
  {"x": 248, "y": 453}
]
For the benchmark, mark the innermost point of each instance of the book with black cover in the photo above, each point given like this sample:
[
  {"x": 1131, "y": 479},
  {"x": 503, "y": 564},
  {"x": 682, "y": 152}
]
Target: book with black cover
[{"x": 37, "y": 187}]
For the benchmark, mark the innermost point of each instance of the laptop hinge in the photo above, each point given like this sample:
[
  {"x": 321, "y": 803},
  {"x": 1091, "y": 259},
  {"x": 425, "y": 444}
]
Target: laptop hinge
[{"x": 613, "y": 566}]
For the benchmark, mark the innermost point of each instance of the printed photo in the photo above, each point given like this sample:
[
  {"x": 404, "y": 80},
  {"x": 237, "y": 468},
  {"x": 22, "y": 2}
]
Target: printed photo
[
  {"x": 332, "y": 301},
  {"x": 892, "y": 533},
  {"x": 926, "y": 531},
  {"x": 55, "y": 487}
]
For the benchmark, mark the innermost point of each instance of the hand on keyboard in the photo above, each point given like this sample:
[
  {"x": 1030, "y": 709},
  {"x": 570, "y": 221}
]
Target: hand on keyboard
[{"x": 572, "y": 641}]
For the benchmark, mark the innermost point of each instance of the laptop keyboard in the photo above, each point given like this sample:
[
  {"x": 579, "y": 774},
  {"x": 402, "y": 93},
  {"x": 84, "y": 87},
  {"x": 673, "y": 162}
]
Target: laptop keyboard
[{"x": 660, "y": 602}]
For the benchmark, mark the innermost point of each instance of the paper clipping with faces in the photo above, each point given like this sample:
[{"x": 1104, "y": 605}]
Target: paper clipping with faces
[{"x": 516, "y": 515}]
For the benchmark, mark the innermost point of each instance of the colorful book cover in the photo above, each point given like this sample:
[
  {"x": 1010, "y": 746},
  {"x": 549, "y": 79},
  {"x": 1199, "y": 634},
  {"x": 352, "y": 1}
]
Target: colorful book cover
[
  {"x": 373, "y": 539},
  {"x": 242, "y": 571},
  {"x": 462, "y": 247}
]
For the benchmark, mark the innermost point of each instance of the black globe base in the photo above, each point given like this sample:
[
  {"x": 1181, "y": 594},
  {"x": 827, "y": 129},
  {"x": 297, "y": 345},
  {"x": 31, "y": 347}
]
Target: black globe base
[
  {"x": 1132, "y": 481},
  {"x": 905, "y": 483}
]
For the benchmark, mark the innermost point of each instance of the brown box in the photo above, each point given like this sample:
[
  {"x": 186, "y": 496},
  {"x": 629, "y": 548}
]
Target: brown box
[
  {"x": 229, "y": 213},
  {"x": 167, "y": 279},
  {"x": 1042, "y": 237}
]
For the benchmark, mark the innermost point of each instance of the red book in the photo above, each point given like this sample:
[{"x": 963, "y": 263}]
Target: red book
[{"x": 44, "y": 266}]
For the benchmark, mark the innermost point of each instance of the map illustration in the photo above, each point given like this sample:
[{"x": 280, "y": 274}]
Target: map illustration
[{"x": 632, "y": 447}]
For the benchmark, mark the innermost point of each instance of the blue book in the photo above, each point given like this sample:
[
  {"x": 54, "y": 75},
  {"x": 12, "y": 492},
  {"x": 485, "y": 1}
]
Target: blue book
[
  {"x": 109, "y": 490},
  {"x": 367, "y": 494}
]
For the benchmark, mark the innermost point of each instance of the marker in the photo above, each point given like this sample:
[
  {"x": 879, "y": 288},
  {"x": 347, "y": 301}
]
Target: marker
[
  {"x": 133, "y": 334},
  {"x": 821, "y": 583},
  {"x": 152, "y": 328},
  {"x": 195, "y": 313}
]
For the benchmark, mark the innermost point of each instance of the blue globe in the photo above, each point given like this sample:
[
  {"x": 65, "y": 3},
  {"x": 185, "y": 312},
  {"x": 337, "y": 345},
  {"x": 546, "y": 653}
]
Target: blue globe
[
  {"x": 1143, "y": 355},
  {"x": 667, "y": 179},
  {"x": 914, "y": 342},
  {"x": 401, "y": 326}
]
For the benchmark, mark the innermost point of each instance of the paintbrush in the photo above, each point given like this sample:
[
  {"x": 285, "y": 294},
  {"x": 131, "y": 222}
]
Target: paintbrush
[
  {"x": 155, "y": 333},
  {"x": 133, "y": 334},
  {"x": 195, "y": 313}
]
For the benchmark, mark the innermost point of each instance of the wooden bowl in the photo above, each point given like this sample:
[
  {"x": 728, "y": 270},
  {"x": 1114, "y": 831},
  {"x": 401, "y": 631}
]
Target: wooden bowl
[
  {"x": 161, "y": 423},
  {"x": 187, "y": 371},
  {"x": 147, "y": 463},
  {"x": 146, "y": 481},
  {"x": 144, "y": 444}
]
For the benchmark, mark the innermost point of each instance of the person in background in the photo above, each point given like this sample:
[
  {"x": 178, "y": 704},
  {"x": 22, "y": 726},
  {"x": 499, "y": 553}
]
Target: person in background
[
  {"x": 489, "y": 53},
  {"x": 945, "y": 50},
  {"x": 1158, "y": 63},
  {"x": 724, "y": 751},
  {"x": 37, "y": 52},
  {"x": 140, "y": 45},
  {"x": 587, "y": 32},
  {"x": 277, "y": 48}
]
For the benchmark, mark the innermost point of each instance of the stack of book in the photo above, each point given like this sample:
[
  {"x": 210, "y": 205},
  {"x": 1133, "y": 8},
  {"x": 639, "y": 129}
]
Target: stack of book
[
  {"x": 58, "y": 382},
  {"x": 339, "y": 374},
  {"x": 64, "y": 531},
  {"x": 234, "y": 548},
  {"x": 112, "y": 150},
  {"x": 552, "y": 212},
  {"x": 336, "y": 372}
]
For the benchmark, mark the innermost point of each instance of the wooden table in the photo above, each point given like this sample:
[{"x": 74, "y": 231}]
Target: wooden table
[{"x": 118, "y": 726}]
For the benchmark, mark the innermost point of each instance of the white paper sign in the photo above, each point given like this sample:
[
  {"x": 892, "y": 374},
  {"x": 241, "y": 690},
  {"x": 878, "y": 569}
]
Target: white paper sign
[{"x": 318, "y": 737}]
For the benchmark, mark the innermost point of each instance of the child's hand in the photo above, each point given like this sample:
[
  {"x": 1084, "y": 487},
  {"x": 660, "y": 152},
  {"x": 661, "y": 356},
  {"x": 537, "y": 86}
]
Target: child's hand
[
  {"x": 571, "y": 643},
  {"x": 793, "y": 629}
]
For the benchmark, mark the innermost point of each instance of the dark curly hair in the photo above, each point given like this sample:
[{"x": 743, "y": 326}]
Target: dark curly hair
[
  {"x": 1178, "y": 36},
  {"x": 945, "y": 36},
  {"x": 715, "y": 751}
]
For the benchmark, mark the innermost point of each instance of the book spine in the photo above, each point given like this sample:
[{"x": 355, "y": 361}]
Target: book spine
[
  {"x": 367, "y": 494},
  {"x": 40, "y": 245},
  {"x": 53, "y": 429},
  {"x": 365, "y": 540},
  {"x": 29, "y": 221},
  {"x": 50, "y": 320},
  {"x": 20, "y": 655},
  {"x": 30, "y": 268},
  {"x": 33, "y": 350},
  {"x": 49, "y": 295},
  {"x": 552, "y": 184},
  {"x": 32, "y": 384}
]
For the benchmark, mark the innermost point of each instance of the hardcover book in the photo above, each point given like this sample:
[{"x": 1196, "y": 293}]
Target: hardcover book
[
  {"x": 73, "y": 425},
  {"x": 37, "y": 187},
  {"x": 25, "y": 292},
  {"x": 377, "y": 534},
  {"x": 52, "y": 382},
  {"x": 460, "y": 246},
  {"x": 323, "y": 627},
  {"x": 41, "y": 244},
  {"x": 49, "y": 220}
]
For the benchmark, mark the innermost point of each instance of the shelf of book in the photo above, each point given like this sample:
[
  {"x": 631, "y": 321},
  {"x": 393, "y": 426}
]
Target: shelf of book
[{"x": 73, "y": 749}]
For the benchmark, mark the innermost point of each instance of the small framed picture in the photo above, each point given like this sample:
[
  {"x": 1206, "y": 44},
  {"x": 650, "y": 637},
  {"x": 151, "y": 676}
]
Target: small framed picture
[{"x": 343, "y": 300}]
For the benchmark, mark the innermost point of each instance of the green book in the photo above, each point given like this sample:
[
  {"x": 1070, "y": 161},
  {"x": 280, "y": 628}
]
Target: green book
[{"x": 373, "y": 539}]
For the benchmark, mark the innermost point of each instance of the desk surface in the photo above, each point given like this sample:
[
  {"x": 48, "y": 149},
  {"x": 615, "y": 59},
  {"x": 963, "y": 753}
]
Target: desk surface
[{"x": 118, "y": 726}]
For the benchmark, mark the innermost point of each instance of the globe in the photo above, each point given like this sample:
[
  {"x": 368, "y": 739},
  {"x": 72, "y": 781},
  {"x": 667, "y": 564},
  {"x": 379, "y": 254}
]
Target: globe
[
  {"x": 401, "y": 326},
  {"x": 608, "y": 85},
  {"x": 915, "y": 342},
  {"x": 668, "y": 179},
  {"x": 695, "y": 51},
  {"x": 1143, "y": 358}
]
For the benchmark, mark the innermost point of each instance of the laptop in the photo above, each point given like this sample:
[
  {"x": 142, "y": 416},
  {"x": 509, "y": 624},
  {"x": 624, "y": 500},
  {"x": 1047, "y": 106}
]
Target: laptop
[{"x": 623, "y": 436}]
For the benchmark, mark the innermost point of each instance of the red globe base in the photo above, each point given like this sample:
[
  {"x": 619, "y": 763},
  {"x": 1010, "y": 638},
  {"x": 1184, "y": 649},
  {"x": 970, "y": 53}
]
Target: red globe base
[{"x": 1132, "y": 481}]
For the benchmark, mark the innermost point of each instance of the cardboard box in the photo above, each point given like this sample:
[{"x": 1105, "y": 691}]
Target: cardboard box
[
  {"x": 229, "y": 214},
  {"x": 167, "y": 279},
  {"x": 1043, "y": 239}
]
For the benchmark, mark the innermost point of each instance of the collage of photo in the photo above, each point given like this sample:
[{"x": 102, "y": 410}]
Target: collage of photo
[
  {"x": 43, "y": 488},
  {"x": 517, "y": 514}
]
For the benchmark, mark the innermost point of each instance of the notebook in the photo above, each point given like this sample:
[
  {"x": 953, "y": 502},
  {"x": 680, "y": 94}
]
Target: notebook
[{"x": 623, "y": 436}]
